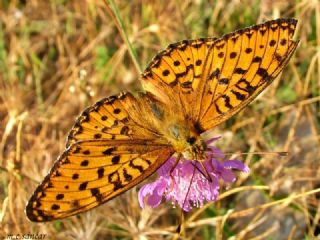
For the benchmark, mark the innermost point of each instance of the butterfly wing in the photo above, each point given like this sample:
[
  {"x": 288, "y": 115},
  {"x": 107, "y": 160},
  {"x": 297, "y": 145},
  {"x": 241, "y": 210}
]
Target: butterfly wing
[
  {"x": 212, "y": 79},
  {"x": 111, "y": 148},
  {"x": 174, "y": 74},
  {"x": 242, "y": 65},
  {"x": 115, "y": 144}
]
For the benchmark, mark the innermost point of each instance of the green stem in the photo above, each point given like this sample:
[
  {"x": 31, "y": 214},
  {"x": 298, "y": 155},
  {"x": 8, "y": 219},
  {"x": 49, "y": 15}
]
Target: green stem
[{"x": 121, "y": 28}]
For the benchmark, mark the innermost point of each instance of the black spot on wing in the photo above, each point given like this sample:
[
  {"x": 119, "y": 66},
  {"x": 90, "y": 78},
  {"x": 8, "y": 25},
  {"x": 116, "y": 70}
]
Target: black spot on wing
[{"x": 136, "y": 166}]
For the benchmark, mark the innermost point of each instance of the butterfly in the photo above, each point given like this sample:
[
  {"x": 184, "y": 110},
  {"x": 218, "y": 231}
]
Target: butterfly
[{"x": 190, "y": 87}]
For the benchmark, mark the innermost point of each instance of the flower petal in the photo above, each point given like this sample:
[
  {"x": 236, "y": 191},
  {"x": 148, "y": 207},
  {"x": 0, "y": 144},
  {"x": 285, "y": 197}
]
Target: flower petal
[
  {"x": 165, "y": 169},
  {"x": 154, "y": 200},
  {"x": 212, "y": 140},
  {"x": 153, "y": 191},
  {"x": 215, "y": 152},
  {"x": 188, "y": 186},
  {"x": 142, "y": 194},
  {"x": 235, "y": 164},
  {"x": 227, "y": 175}
]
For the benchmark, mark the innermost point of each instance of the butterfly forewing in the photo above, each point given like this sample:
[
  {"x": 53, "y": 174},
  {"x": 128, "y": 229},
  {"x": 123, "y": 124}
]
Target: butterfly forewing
[
  {"x": 174, "y": 74},
  {"x": 221, "y": 76},
  {"x": 267, "y": 55},
  {"x": 110, "y": 150}
]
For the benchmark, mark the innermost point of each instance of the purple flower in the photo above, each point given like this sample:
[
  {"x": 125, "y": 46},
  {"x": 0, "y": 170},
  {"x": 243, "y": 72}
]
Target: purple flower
[{"x": 189, "y": 184}]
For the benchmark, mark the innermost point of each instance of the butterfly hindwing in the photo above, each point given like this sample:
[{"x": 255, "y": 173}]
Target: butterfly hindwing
[
  {"x": 113, "y": 118},
  {"x": 109, "y": 150}
]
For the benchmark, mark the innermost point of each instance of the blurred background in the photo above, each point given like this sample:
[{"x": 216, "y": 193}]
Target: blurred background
[{"x": 58, "y": 57}]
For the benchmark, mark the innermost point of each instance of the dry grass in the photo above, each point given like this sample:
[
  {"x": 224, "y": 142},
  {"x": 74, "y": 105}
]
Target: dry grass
[{"x": 57, "y": 57}]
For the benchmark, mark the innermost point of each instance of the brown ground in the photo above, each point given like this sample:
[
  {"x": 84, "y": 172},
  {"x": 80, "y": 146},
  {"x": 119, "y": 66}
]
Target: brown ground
[{"x": 57, "y": 57}]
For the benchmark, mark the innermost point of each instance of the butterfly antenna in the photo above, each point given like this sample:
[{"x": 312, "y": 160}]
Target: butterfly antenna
[
  {"x": 175, "y": 164},
  {"x": 280, "y": 154},
  {"x": 193, "y": 164}
]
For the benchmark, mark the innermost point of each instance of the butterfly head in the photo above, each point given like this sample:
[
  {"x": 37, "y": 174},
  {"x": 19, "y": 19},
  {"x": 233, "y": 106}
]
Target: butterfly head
[
  {"x": 187, "y": 142},
  {"x": 196, "y": 150}
]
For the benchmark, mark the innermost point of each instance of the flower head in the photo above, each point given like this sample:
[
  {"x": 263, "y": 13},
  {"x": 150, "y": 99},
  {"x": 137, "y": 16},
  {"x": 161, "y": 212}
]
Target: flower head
[{"x": 190, "y": 183}]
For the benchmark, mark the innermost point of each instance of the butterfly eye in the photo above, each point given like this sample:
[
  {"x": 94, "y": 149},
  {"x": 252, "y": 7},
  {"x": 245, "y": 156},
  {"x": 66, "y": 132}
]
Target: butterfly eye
[{"x": 191, "y": 140}]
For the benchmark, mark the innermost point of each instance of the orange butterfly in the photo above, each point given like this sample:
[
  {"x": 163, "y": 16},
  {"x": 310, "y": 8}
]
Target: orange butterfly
[{"x": 190, "y": 87}]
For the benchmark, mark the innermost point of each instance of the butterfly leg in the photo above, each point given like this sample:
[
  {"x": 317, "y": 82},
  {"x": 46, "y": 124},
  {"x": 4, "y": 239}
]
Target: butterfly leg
[
  {"x": 174, "y": 166},
  {"x": 205, "y": 174}
]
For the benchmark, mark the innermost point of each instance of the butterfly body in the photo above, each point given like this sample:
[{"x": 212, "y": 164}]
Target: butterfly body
[
  {"x": 189, "y": 143},
  {"x": 179, "y": 132},
  {"x": 175, "y": 130},
  {"x": 190, "y": 87}
]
